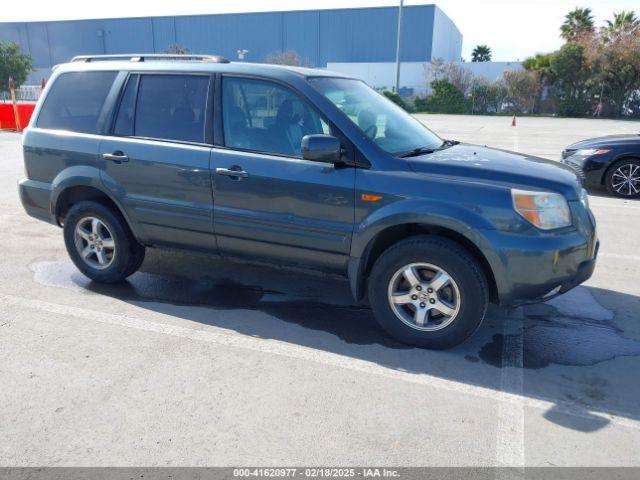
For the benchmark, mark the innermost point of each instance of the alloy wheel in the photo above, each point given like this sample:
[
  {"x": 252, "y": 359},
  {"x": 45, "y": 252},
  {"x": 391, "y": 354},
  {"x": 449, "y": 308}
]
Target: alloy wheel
[
  {"x": 424, "y": 296},
  {"x": 94, "y": 243},
  {"x": 626, "y": 179}
]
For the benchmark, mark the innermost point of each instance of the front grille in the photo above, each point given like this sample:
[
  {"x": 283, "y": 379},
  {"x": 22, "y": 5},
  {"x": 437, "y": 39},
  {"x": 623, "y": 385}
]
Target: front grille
[{"x": 576, "y": 168}]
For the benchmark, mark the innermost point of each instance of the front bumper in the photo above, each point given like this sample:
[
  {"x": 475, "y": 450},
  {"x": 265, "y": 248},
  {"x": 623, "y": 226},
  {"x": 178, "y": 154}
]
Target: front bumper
[
  {"x": 530, "y": 268},
  {"x": 590, "y": 170}
]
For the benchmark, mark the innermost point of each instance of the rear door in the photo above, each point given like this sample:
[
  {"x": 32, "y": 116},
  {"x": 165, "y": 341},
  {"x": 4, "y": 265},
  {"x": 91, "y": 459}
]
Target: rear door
[
  {"x": 156, "y": 160},
  {"x": 269, "y": 202}
]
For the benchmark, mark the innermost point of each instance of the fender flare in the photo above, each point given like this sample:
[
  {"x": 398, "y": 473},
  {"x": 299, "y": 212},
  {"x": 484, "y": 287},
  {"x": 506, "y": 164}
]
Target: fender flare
[
  {"x": 85, "y": 176},
  {"x": 437, "y": 215}
]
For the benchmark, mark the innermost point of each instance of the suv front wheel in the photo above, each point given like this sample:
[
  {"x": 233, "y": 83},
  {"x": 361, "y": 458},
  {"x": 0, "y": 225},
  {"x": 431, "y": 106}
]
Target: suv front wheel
[
  {"x": 428, "y": 291},
  {"x": 100, "y": 243}
]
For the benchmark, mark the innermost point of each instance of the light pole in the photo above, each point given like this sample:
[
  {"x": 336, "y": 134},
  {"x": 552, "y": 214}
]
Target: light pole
[{"x": 398, "y": 46}]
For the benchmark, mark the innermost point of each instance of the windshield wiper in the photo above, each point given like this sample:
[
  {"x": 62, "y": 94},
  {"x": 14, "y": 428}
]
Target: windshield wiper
[
  {"x": 416, "y": 151},
  {"x": 449, "y": 143},
  {"x": 424, "y": 150}
]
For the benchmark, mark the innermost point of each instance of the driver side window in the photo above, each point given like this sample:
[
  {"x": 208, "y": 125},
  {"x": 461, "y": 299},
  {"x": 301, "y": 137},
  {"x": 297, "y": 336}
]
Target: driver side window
[{"x": 266, "y": 117}]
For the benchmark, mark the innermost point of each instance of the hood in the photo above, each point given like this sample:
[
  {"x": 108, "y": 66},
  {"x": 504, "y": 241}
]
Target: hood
[
  {"x": 608, "y": 140},
  {"x": 488, "y": 165}
]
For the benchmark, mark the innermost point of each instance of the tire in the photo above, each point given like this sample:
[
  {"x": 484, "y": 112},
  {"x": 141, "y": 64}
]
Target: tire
[
  {"x": 615, "y": 174},
  {"x": 464, "y": 296},
  {"x": 113, "y": 253}
]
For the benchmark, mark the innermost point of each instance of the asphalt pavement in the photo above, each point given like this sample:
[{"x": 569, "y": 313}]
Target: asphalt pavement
[{"x": 200, "y": 361}]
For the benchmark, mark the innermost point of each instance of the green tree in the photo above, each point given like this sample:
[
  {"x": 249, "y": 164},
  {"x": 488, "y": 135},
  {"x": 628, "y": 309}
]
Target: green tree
[
  {"x": 397, "y": 99},
  {"x": 487, "y": 96},
  {"x": 482, "y": 53},
  {"x": 573, "y": 83},
  {"x": 615, "y": 67},
  {"x": 623, "y": 23},
  {"x": 594, "y": 67},
  {"x": 538, "y": 63},
  {"x": 577, "y": 23},
  {"x": 456, "y": 74},
  {"x": 445, "y": 98},
  {"x": 14, "y": 64}
]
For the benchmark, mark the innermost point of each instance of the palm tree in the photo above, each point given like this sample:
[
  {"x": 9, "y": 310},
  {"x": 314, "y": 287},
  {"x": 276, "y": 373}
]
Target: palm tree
[
  {"x": 623, "y": 22},
  {"x": 577, "y": 23},
  {"x": 482, "y": 53}
]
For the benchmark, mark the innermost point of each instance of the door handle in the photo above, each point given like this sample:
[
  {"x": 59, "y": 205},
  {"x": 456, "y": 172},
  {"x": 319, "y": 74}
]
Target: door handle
[
  {"x": 118, "y": 156},
  {"x": 234, "y": 172}
]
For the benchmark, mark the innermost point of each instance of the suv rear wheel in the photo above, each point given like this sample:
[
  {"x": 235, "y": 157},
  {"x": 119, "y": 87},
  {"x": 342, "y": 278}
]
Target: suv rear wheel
[
  {"x": 428, "y": 291},
  {"x": 100, "y": 243}
]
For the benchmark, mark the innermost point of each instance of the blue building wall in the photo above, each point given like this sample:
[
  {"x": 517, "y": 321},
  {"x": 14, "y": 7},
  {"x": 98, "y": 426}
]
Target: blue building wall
[
  {"x": 318, "y": 36},
  {"x": 447, "y": 41}
]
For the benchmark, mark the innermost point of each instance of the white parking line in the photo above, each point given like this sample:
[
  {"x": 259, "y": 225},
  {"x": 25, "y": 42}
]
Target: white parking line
[
  {"x": 510, "y": 428},
  {"x": 620, "y": 256},
  {"x": 9, "y": 303},
  {"x": 613, "y": 205}
]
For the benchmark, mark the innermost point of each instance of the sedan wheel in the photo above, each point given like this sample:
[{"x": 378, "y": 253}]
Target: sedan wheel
[{"x": 624, "y": 179}]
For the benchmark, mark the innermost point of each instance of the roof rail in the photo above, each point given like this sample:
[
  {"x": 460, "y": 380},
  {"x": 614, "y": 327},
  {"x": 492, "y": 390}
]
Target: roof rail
[{"x": 137, "y": 57}]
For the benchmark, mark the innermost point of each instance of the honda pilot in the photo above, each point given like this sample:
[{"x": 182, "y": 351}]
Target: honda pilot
[{"x": 303, "y": 167}]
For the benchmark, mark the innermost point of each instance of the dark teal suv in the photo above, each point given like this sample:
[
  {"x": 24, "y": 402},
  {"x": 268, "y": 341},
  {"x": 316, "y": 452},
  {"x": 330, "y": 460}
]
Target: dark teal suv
[{"x": 304, "y": 167}]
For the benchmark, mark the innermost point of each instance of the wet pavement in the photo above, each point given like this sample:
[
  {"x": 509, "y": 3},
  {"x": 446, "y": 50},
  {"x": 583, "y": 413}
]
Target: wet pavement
[
  {"x": 549, "y": 337},
  {"x": 564, "y": 341},
  {"x": 203, "y": 361}
]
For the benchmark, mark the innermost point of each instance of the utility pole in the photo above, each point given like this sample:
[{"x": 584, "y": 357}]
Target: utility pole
[{"x": 397, "y": 89}]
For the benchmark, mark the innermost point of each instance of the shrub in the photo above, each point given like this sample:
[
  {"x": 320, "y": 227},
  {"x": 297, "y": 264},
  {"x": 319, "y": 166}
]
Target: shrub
[
  {"x": 446, "y": 98},
  {"x": 397, "y": 99}
]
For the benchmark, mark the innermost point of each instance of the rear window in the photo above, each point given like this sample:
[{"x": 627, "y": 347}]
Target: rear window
[
  {"x": 75, "y": 101},
  {"x": 171, "y": 107}
]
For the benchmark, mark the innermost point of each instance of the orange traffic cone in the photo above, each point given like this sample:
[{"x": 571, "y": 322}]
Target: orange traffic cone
[{"x": 513, "y": 121}]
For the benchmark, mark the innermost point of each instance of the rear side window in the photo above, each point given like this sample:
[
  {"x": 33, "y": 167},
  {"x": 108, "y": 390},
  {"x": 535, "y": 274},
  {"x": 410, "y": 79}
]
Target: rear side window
[
  {"x": 171, "y": 107},
  {"x": 75, "y": 101}
]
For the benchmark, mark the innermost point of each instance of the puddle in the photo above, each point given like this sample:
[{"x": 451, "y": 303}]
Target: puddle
[
  {"x": 549, "y": 337},
  {"x": 564, "y": 341},
  {"x": 351, "y": 323}
]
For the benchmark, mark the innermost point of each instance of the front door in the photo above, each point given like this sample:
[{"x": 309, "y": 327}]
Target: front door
[
  {"x": 268, "y": 201},
  {"x": 157, "y": 162}
]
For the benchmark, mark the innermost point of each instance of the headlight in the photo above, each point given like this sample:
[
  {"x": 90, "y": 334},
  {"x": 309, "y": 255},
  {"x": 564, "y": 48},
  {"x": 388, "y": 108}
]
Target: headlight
[
  {"x": 588, "y": 152},
  {"x": 545, "y": 210}
]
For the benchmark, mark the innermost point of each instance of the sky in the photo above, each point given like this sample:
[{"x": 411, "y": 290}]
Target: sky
[{"x": 514, "y": 29}]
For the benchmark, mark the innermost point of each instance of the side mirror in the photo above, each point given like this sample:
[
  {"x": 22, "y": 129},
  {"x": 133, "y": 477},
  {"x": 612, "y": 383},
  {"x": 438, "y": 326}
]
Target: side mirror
[{"x": 321, "y": 148}]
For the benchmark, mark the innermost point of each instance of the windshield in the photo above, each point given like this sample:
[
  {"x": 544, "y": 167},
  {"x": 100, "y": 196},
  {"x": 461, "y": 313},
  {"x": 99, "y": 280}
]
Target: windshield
[{"x": 388, "y": 125}]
